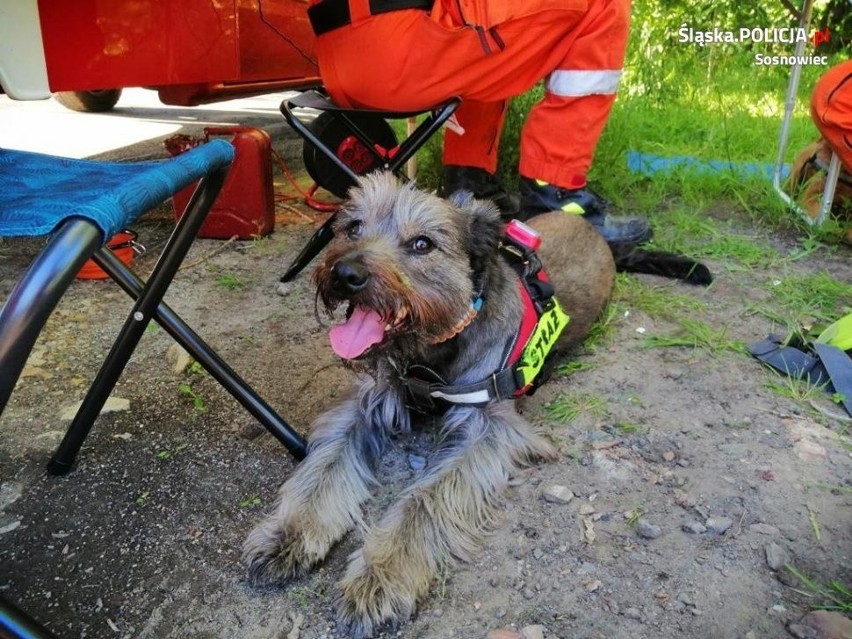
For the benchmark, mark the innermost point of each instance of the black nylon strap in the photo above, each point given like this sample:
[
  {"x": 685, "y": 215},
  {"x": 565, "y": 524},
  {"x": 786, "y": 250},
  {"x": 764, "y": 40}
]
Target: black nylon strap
[
  {"x": 431, "y": 396},
  {"x": 329, "y": 15},
  {"x": 789, "y": 361},
  {"x": 838, "y": 365},
  {"x": 830, "y": 365}
]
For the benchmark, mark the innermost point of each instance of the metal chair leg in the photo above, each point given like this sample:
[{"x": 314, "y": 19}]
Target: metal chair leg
[
  {"x": 319, "y": 240},
  {"x": 211, "y": 362},
  {"x": 36, "y": 295},
  {"x": 142, "y": 312}
]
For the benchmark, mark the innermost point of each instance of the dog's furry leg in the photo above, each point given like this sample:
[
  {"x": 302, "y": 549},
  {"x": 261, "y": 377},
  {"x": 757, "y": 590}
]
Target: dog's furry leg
[
  {"x": 322, "y": 500},
  {"x": 633, "y": 259},
  {"x": 439, "y": 518}
]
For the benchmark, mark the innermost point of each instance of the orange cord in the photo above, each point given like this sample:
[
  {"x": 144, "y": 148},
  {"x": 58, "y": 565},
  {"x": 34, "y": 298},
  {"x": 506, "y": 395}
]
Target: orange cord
[{"x": 309, "y": 196}]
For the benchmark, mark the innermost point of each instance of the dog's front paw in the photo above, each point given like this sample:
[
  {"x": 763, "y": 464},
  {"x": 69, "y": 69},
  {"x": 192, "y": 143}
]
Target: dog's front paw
[
  {"x": 371, "y": 597},
  {"x": 272, "y": 554}
]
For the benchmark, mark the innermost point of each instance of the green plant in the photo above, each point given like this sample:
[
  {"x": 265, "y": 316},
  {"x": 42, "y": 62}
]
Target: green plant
[
  {"x": 628, "y": 428},
  {"x": 833, "y": 596},
  {"x": 566, "y": 408},
  {"x": 143, "y": 497},
  {"x": 697, "y": 335},
  {"x": 198, "y": 404},
  {"x": 168, "y": 454},
  {"x": 799, "y": 390},
  {"x": 574, "y": 366},
  {"x": 230, "y": 281},
  {"x": 634, "y": 515},
  {"x": 250, "y": 502}
]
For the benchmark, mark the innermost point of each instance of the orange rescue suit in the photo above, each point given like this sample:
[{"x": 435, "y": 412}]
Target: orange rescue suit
[
  {"x": 831, "y": 109},
  {"x": 487, "y": 51}
]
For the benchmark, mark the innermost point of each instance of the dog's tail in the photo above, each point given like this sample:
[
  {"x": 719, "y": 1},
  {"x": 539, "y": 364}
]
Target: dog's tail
[{"x": 632, "y": 259}]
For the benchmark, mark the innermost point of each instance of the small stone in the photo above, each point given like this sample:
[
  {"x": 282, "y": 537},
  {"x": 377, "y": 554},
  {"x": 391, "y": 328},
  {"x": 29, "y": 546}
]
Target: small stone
[
  {"x": 538, "y": 553},
  {"x": 112, "y": 405},
  {"x": 503, "y": 633},
  {"x": 778, "y": 609},
  {"x": 10, "y": 492},
  {"x": 685, "y": 599},
  {"x": 809, "y": 451},
  {"x": 494, "y": 581},
  {"x": 285, "y": 288},
  {"x": 718, "y": 525},
  {"x": 827, "y": 624},
  {"x": 763, "y": 529},
  {"x": 683, "y": 499},
  {"x": 668, "y": 456},
  {"x": 633, "y": 613},
  {"x": 178, "y": 358},
  {"x": 8, "y": 524},
  {"x": 593, "y": 585},
  {"x": 694, "y": 528},
  {"x": 528, "y": 594},
  {"x": 535, "y": 631},
  {"x": 647, "y": 530},
  {"x": 416, "y": 462},
  {"x": 586, "y": 509},
  {"x": 776, "y": 556},
  {"x": 556, "y": 494}
]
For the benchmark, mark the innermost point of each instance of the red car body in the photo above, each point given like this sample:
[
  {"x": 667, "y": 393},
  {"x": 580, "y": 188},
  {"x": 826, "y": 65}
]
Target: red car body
[{"x": 190, "y": 51}]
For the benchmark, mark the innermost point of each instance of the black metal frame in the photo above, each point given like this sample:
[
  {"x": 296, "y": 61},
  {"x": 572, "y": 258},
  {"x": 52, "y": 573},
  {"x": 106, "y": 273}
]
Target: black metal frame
[
  {"x": 36, "y": 295},
  {"x": 315, "y": 100},
  {"x": 16, "y": 624}
]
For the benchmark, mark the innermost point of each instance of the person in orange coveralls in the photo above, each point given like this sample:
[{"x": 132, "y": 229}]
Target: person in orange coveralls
[
  {"x": 405, "y": 55},
  {"x": 831, "y": 109}
]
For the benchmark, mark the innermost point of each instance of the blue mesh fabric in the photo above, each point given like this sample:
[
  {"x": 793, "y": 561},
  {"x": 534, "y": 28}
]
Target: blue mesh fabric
[{"x": 38, "y": 191}]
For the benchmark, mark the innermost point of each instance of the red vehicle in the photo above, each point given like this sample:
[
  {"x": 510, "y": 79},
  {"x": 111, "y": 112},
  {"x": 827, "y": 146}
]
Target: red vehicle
[{"x": 191, "y": 51}]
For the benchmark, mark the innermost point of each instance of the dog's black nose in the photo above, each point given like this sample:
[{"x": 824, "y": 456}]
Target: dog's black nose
[{"x": 349, "y": 276}]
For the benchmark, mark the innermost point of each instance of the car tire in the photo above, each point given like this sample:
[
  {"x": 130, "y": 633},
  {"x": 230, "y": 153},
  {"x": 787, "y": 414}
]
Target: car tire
[{"x": 88, "y": 101}]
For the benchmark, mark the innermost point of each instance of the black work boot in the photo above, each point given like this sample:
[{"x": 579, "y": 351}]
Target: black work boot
[
  {"x": 482, "y": 184},
  {"x": 540, "y": 197}
]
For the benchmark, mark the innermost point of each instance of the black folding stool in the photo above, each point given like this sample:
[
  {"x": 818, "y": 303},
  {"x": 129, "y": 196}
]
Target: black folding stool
[
  {"x": 342, "y": 144},
  {"x": 80, "y": 204}
]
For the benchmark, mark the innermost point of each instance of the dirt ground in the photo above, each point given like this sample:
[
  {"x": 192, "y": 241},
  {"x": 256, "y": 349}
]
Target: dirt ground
[{"x": 731, "y": 479}]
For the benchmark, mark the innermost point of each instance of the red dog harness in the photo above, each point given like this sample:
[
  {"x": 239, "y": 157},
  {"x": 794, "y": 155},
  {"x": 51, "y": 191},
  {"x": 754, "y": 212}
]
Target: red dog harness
[{"x": 523, "y": 367}]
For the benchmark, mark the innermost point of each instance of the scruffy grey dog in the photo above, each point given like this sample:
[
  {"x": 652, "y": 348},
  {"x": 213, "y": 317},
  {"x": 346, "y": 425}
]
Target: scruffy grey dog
[{"x": 407, "y": 266}]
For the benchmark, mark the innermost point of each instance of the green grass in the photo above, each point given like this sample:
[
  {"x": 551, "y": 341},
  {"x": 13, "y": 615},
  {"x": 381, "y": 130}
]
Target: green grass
[
  {"x": 655, "y": 300},
  {"x": 831, "y": 596},
  {"x": 799, "y": 390},
  {"x": 697, "y": 335},
  {"x": 574, "y": 366},
  {"x": 803, "y": 299},
  {"x": 566, "y": 408},
  {"x": 230, "y": 281}
]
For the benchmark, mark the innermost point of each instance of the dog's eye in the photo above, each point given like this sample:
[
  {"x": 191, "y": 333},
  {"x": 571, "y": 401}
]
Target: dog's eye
[
  {"x": 354, "y": 229},
  {"x": 422, "y": 244}
]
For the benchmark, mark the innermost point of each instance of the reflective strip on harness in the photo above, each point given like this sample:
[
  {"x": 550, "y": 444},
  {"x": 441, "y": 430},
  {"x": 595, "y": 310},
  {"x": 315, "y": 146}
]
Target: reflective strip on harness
[
  {"x": 478, "y": 397},
  {"x": 550, "y": 326}
]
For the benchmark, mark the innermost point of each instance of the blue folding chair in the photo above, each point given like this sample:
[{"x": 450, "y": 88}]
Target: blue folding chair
[{"x": 81, "y": 204}]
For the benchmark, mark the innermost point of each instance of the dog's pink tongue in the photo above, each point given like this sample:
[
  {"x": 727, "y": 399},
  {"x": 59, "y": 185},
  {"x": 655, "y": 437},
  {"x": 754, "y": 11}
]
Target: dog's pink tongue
[{"x": 363, "y": 329}]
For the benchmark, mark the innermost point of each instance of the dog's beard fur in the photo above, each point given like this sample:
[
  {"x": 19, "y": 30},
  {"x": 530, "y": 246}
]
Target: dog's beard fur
[{"x": 442, "y": 516}]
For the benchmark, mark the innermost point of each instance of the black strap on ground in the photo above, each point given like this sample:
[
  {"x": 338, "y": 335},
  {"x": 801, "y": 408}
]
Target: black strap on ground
[{"x": 826, "y": 366}]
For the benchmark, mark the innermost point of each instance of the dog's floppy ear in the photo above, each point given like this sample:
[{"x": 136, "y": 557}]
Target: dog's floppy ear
[{"x": 486, "y": 229}]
